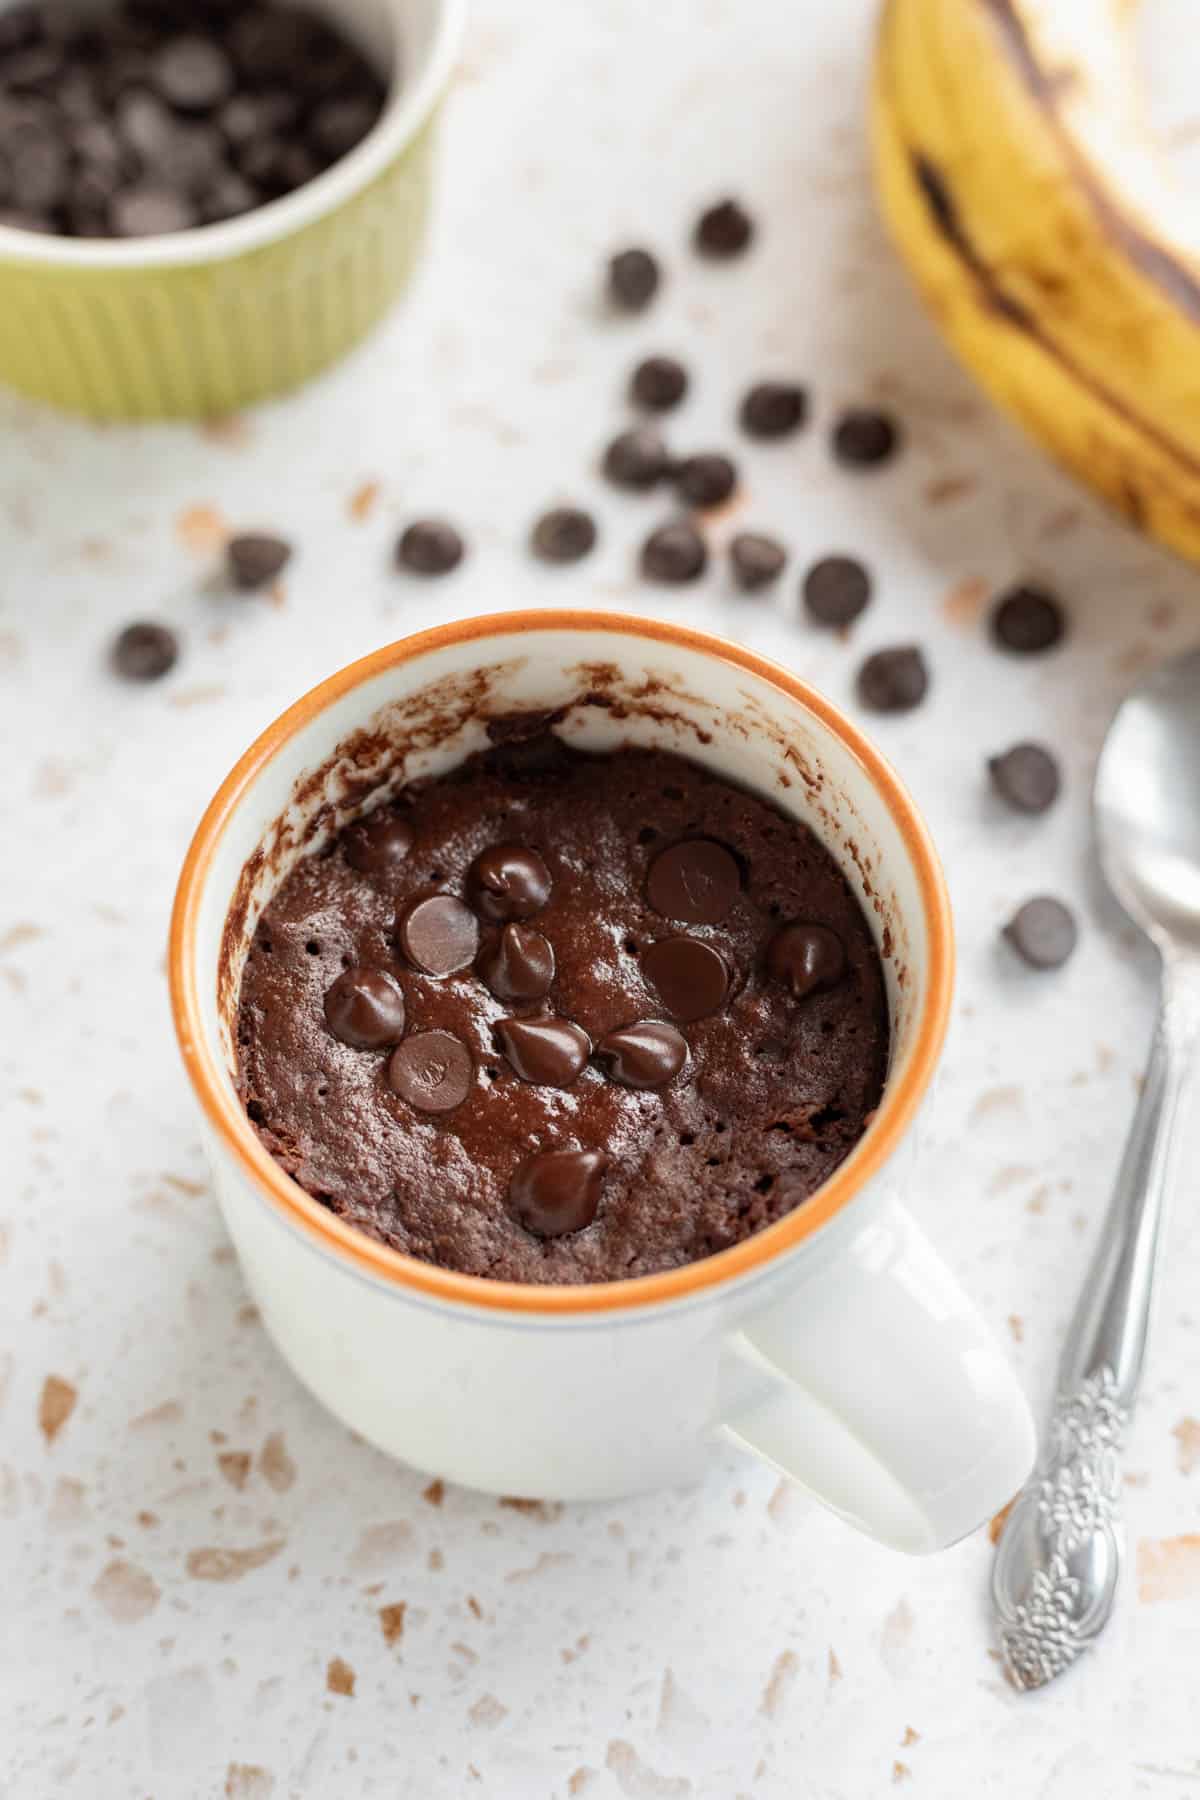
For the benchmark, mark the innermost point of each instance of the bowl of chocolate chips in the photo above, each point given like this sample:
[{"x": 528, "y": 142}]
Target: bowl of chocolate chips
[{"x": 204, "y": 204}]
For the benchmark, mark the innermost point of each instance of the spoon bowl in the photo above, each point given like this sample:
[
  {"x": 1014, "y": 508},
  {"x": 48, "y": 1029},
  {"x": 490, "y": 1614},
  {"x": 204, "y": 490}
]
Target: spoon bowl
[{"x": 1147, "y": 803}]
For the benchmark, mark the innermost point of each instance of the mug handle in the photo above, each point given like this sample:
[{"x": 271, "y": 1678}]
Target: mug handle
[{"x": 877, "y": 1387}]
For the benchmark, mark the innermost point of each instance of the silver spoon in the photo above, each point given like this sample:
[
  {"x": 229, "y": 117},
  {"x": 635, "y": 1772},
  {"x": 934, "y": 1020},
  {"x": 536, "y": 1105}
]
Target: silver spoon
[{"x": 1054, "y": 1580}]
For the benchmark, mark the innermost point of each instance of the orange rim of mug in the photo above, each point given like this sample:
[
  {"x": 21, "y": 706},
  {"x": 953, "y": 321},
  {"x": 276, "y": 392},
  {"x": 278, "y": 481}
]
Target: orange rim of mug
[{"x": 901, "y": 1097}]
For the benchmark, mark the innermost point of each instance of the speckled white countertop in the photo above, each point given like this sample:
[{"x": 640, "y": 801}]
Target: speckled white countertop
[{"x": 733, "y": 1640}]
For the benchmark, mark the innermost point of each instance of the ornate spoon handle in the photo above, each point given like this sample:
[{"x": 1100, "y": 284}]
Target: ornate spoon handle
[{"x": 1056, "y": 1571}]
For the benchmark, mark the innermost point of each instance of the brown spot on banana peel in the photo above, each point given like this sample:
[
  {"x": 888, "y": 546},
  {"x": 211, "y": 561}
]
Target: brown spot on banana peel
[{"x": 945, "y": 216}]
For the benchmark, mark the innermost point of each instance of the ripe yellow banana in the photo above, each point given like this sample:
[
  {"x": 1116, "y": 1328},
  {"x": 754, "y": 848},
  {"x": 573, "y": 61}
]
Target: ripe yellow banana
[{"x": 1019, "y": 179}]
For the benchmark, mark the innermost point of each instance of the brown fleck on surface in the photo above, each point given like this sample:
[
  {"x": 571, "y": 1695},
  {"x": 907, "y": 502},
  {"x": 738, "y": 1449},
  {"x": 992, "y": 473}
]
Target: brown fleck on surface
[
  {"x": 1012, "y": 1175},
  {"x": 55, "y": 1406},
  {"x": 126, "y": 1592},
  {"x": 202, "y": 695},
  {"x": 436, "y": 1560},
  {"x": 69, "y": 1503},
  {"x": 1061, "y": 523},
  {"x": 168, "y": 1413},
  {"x": 275, "y": 1465},
  {"x": 362, "y": 501},
  {"x": 835, "y": 1667},
  {"x": 997, "y": 1524},
  {"x": 201, "y": 529},
  {"x": 577, "y": 1780},
  {"x": 230, "y": 1565},
  {"x": 783, "y": 1673},
  {"x": 231, "y": 431},
  {"x": 23, "y": 932},
  {"x": 781, "y": 1497},
  {"x": 391, "y": 1621},
  {"x": 339, "y": 1677},
  {"x": 235, "y": 1467},
  {"x": 195, "y": 1190},
  {"x": 147, "y": 1520},
  {"x": 248, "y": 1781},
  {"x": 435, "y": 1493},
  {"x": 548, "y": 1559},
  {"x": 1168, "y": 1568},
  {"x": 381, "y": 1545},
  {"x": 1006, "y": 1099},
  {"x": 910, "y": 1737},
  {"x": 963, "y": 605},
  {"x": 1017, "y": 1326},
  {"x": 949, "y": 487},
  {"x": 896, "y": 1635},
  {"x": 901, "y": 1771},
  {"x": 487, "y": 1712},
  {"x": 546, "y": 1511},
  {"x": 1187, "y": 1437},
  {"x": 638, "y": 1780}
]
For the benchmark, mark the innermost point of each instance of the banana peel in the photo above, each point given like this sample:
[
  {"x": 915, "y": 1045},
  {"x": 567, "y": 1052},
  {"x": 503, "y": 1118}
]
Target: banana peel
[{"x": 1019, "y": 180}]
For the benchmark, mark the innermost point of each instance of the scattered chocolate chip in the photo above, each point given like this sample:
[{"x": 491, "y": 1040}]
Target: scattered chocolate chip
[
  {"x": 836, "y": 590},
  {"x": 806, "y": 957},
  {"x": 756, "y": 560},
  {"x": 893, "y": 680},
  {"x": 674, "y": 554},
  {"x": 144, "y": 651},
  {"x": 144, "y": 124},
  {"x": 430, "y": 547},
  {"x": 379, "y": 844},
  {"x": 365, "y": 1008},
  {"x": 1026, "y": 777},
  {"x": 558, "y": 1191},
  {"x": 637, "y": 459},
  {"x": 438, "y": 934},
  {"x": 690, "y": 977},
  {"x": 432, "y": 1070},
  {"x": 193, "y": 73},
  {"x": 150, "y": 211},
  {"x": 1028, "y": 620},
  {"x": 228, "y": 197},
  {"x": 337, "y": 126},
  {"x": 696, "y": 881},
  {"x": 563, "y": 535},
  {"x": 518, "y": 965},
  {"x": 1043, "y": 932},
  {"x": 645, "y": 1055},
  {"x": 725, "y": 229},
  {"x": 37, "y": 174},
  {"x": 774, "y": 409},
  {"x": 508, "y": 881},
  {"x": 705, "y": 480},
  {"x": 255, "y": 558},
  {"x": 658, "y": 383},
  {"x": 546, "y": 1052},
  {"x": 862, "y": 438},
  {"x": 633, "y": 277}
]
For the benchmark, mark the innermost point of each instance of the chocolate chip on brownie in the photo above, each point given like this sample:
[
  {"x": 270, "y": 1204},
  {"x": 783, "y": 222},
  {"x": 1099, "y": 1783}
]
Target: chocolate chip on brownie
[
  {"x": 894, "y": 680},
  {"x": 557, "y": 1192},
  {"x": 674, "y": 554},
  {"x": 145, "y": 651},
  {"x": 1026, "y": 776},
  {"x": 563, "y": 535},
  {"x": 723, "y": 230},
  {"x": 1027, "y": 620},
  {"x": 364, "y": 1008},
  {"x": 1043, "y": 932},
  {"x": 658, "y": 383},
  {"x": 756, "y": 560},
  {"x": 689, "y": 975},
  {"x": 546, "y": 1052},
  {"x": 432, "y": 1070},
  {"x": 773, "y": 409},
  {"x": 696, "y": 881},
  {"x": 645, "y": 1055},
  {"x": 633, "y": 278},
  {"x": 836, "y": 590},
  {"x": 806, "y": 957},
  {"x": 438, "y": 934},
  {"x": 430, "y": 547}
]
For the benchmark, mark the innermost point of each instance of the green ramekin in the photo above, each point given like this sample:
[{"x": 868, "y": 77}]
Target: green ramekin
[{"x": 205, "y": 322}]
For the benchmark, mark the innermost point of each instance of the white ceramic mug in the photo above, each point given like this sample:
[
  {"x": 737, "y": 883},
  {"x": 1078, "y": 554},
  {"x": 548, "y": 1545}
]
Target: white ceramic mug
[{"x": 835, "y": 1343}]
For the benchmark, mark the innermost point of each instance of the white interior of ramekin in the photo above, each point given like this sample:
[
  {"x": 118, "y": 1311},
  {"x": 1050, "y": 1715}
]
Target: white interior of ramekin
[{"x": 419, "y": 37}]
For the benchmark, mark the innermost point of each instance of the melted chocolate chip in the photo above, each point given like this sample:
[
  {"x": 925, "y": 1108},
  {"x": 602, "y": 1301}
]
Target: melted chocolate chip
[
  {"x": 806, "y": 957},
  {"x": 507, "y": 881},
  {"x": 696, "y": 881},
  {"x": 518, "y": 965},
  {"x": 379, "y": 844},
  {"x": 546, "y": 1052},
  {"x": 365, "y": 1008},
  {"x": 690, "y": 977},
  {"x": 438, "y": 934},
  {"x": 432, "y": 1070},
  {"x": 645, "y": 1055},
  {"x": 558, "y": 1191},
  {"x": 1043, "y": 932}
]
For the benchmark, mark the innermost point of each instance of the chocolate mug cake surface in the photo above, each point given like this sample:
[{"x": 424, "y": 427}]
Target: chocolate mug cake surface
[{"x": 563, "y": 1017}]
